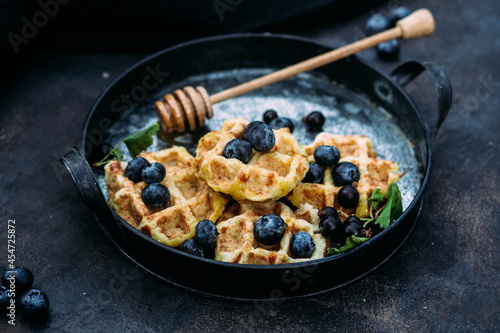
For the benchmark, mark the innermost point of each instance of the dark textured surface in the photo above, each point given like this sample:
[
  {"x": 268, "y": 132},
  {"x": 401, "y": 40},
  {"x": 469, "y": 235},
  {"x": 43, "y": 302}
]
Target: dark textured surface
[{"x": 445, "y": 278}]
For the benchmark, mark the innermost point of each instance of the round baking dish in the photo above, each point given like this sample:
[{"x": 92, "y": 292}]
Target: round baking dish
[{"x": 360, "y": 100}]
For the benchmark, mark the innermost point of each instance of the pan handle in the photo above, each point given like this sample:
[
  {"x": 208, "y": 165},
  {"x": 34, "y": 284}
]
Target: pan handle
[
  {"x": 408, "y": 71},
  {"x": 85, "y": 182}
]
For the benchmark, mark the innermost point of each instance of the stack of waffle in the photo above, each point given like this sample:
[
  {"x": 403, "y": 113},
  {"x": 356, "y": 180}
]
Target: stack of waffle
[
  {"x": 357, "y": 149},
  {"x": 267, "y": 176},
  {"x": 191, "y": 199},
  {"x": 236, "y": 242},
  {"x": 200, "y": 188}
]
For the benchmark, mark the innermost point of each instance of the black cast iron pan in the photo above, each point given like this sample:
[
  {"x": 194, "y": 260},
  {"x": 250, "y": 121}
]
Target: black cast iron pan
[{"x": 355, "y": 98}]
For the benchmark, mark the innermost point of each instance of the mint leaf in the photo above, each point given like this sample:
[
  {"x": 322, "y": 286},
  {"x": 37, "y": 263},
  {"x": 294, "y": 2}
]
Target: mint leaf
[
  {"x": 136, "y": 144},
  {"x": 397, "y": 207},
  {"x": 113, "y": 152},
  {"x": 140, "y": 141},
  {"x": 351, "y": 242},
  {"x": 375, "y": 202},
  {"x": 117, "y": 153},
  {"x": 393, "y": 209},
  {"x": 376, "y": 199}
]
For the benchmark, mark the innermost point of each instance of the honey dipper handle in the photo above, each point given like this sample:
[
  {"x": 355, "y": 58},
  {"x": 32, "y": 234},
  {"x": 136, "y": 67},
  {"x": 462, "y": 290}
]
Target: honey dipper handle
[{"x": 418, "y": 24}]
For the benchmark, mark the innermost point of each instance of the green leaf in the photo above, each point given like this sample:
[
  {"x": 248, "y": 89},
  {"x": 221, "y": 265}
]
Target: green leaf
[
  {"x": 113, "y": 152},
  {"x": 351, "y": 242},
  {"x": 117, "y": 153},
  {"x": 140, "y": 141},
  {"x": 376, "y": 199},
  {"x": 397, "y": 207},
  {"x": 136, "y": 144},
  {"x": 393, "y": 209}
]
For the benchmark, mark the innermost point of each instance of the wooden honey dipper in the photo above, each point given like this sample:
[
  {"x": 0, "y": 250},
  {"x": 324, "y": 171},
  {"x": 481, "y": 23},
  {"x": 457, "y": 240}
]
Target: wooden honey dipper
[{"x": 190, "y": 106}]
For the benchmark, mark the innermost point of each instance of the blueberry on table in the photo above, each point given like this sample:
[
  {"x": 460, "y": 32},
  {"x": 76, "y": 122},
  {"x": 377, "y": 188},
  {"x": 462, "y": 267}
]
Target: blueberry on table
[
  {"x": 155, "y": 195},
  {"x": 34, "y": 304},
  {"x": 249, "y": 129},
  {"x": 332, "y": 229},
  {"x": 314, "y": 174},
  {"x": 348, "y": 196},
  {"x": 352, "y": 226},
  {"x": 134, "y": 168},
  {"x": 21, "y": 277},
  {"x": 326, "y": 155},
  {"x": 282, "y": 122},
  {"x": 302, "y": 245},
  {"x": 4, "y": 299},
  {"x": 269, "y": 229},
  {"x": 269, "y": 115},
  {"x": 262, "y": 138},
  {"x": 345, "y": 173},
  {"x": 206, "y": 233},
  {"x": 153, "y": 173},
  {"x": 314, "y": 120},
  {"x": 327, "y": 211},
  {"x": 388, "y": 50},
  {"x": 194, "y": 247},
  {"x": 239, "y": 149},
  {"x": 397, "y": 14},
  {"x": 376, "y": 23}
]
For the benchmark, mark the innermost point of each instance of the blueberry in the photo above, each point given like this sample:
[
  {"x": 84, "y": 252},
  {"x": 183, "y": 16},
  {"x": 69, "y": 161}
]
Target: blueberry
[
  {"x": 354, "y": 229},
  {"x": 348, "y": 196},
  {"x": 282, "y": 122},
  {"x": 194, "y": 247},
  {"x": 314, "y": 120},
  {"x": 302, "y": 245},
  {"x": 376, "y": 23},
  {"x": 314, "y": 174},
  {"x": 345, "y": 173},
  {"x": 269, "y": 229},
  {"x": 155, "y": 196},
  {"x": 397, "y": 14},
  {"x": 388, "y": 50},
  {"x": 352, "y": 226},
  {"x": 332, "y": 229},
  {"x": 352, "y": 218},
  {"x": 269, "y": 115},
  {"x": 326, "y": 155},
  {"x": 206, "y": 233},
  {"x": 4, "y": 299},
  {"x": 20, "y": 276},
  {"x": 262, "y": 138},
  {"x": 153, "y": 173},
  {"x": 239, "y": 149},
  {"x": 249, "y": 129},
  {"x": 327, "y": 211},
  {"x": 134, "y": 168},
  {"x": 34, "y": 304}
]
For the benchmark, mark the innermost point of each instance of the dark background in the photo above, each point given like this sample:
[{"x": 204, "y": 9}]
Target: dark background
[{"x": 445, "y": 278}]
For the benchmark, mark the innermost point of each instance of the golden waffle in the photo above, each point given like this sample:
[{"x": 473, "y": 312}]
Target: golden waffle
[
  {"x": 358, "y": 150},
  {"x": 191, "y": 200},
  {"x": 236, "y": 242},
  {"x": 267, "y": 176}
]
